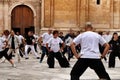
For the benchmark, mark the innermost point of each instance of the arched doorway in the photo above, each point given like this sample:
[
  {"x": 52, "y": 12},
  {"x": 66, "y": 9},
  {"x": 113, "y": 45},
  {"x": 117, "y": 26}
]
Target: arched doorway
[{"x": 22, "y": 18}]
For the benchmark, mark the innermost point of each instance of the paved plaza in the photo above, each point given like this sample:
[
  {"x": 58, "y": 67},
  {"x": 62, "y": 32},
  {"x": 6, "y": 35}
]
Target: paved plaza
[{"x": 31, "y": 69}]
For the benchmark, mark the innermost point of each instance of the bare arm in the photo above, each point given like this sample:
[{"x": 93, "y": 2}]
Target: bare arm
[
  {"x": 40, "y": 40},
  {"x": 106, "y": 45},
  {"x": 62, "y": 47},
  {"x": 47, "y": 46},
  {"x": 74, "y": 50}
]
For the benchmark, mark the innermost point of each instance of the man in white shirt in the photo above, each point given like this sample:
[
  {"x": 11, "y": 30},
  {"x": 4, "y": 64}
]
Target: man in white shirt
[
  {"x": 68, "y": 40},
  {"x": 21, "y": 46},
  {"x": 43, "y": 40},
  {"x": 90, "y": 55},
  {"x": 107, "y": 36}
]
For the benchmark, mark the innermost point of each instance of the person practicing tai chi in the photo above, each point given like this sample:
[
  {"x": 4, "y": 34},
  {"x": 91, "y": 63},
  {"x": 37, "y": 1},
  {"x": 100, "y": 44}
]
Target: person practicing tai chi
[
  {"x": 90, "y": 55},
  {"x": 13, "y": 43},
  {"x": 55, "y": 51},
  {"x": 3, "y": 51}
]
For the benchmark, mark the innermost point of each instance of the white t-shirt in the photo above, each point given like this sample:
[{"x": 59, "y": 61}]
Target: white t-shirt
[
  {"x": 2, "y": 43},
  {"x": 89, "y": 42},
  {"x": 36, "y": 37},
  {"x": 68, "y": 41},
  {"x": 55, "y": 43},
  {"x": 20, "y": 38},
  {"x": 107, "y": 37},
  {"x": 45, "y": 38}
]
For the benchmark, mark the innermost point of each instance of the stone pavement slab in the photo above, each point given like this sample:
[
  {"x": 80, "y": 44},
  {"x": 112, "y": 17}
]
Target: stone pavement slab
[{"x": 31, "y": 69}]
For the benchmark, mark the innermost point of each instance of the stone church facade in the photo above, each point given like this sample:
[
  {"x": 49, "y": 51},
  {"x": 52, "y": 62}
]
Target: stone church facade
[{"x": 59, "y": 14}]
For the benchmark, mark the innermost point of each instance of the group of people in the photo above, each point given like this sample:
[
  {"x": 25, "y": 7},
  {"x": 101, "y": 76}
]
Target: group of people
[
  {"x": 86, "y": 47},
  {"x": 11, "y": 43},
  {"x": 114, "y": 51}
]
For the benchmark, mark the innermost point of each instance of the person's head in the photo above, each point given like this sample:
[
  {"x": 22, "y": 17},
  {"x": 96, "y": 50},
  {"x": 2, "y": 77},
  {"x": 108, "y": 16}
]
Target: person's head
[
  {"x": 55, "y": 33},
  {"x": 29, "y": 33},
  {"x": 77, "y": 33},
  {"x": 12, "y": 33},
  {"x": 100, "y": 33},
  {"x": 6, "y": 32},
  {"x": 17, "y": 33},
  {"x": 61, "y": 34},
  {"x": 50, "y": 30},
  {"x": 71, "y": 31},
  {"x": 88, "y": 28},
  {"x": 115, "y": 36},
  {"x": 107, "y": 32}
]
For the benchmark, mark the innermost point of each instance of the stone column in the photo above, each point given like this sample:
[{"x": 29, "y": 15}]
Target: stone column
[
  {"x": 78, "y": 5},
  {"x": 52, "y": 13},
  {"x": 116, "y": 14},
  {"x": 87, "y": 10},
  {"x": 1, "y": 16},
  {"x": 5, "y": 10},
  {"x": 42, "y": 14},
  {"x": 112, "y": 14}
]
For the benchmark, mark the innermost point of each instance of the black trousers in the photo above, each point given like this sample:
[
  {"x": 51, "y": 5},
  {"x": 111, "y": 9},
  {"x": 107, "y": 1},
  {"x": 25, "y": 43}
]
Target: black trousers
[
  {"x": 51, "y": 61},
  {"x": 112, "y": 57},
  {"x": 95, "y": 64},
  {"x": 44, "y": 52},
  {"x": 35, "y": 46},
  {"x": 4, "y": 53},
  {"x": 21, "y": 50}
]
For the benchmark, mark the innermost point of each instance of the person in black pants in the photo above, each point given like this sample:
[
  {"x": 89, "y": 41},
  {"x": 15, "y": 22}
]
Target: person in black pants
[
  {"x": 115, "y": 46},
  {"x": 68, "y": 39},
  {"x": 3, "y": 51},
  {"x": 89, "y": 55},
  {"x": 42, "y": 40},
  {"x": 55, "y": 50}
]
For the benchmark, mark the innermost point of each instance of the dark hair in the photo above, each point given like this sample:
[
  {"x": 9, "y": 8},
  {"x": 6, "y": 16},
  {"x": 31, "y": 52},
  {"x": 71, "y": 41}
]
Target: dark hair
[
  {"x": 115, "y": 33},
  {"x": 6, "y": 32},
  {"x": 55, "y": 32},
  {"x": 100, "y": 32},
  {"x": 61, "y": 32}
]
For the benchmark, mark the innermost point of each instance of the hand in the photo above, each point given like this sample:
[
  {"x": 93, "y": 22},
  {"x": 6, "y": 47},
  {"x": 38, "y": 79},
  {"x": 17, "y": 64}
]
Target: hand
[
  {"x": 78, "y": 56},
  {"x": 49, "y": 50},
  {"x": 3, "y": 47},
  {"x": 102, "y": 57},
  {"x": 61, "y": 50}
]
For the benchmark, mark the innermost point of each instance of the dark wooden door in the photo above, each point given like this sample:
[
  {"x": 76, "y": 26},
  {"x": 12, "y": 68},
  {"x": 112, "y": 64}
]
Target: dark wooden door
[{"x": 22, "y": 18}]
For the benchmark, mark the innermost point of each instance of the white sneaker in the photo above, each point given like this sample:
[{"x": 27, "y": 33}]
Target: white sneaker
[{"x": 13, "y": 65}]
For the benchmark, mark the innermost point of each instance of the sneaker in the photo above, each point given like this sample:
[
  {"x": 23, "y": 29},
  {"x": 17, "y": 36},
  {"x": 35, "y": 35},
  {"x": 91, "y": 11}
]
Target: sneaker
[
  {"x": 40, "y": 61},
  {"x": 26, "y": 58},
  {"x": 38, "y": 58},
  {"x": 13, "y": 65}
]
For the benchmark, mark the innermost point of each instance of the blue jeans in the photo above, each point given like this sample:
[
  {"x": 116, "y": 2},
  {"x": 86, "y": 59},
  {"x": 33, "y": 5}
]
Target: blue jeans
[{"x": 44, "y": 51}]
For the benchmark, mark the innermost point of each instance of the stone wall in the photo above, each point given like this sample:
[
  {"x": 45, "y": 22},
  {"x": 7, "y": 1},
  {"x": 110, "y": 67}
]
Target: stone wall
[
  {"x": 65, "y": 14},
  {"x": 1, "y": 17}
]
